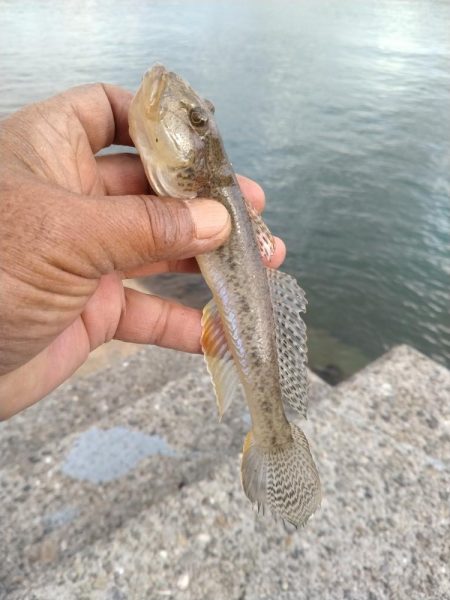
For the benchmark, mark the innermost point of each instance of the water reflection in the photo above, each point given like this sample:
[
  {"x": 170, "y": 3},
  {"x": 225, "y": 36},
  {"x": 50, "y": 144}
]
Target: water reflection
[{"x": 340, "y": 109}]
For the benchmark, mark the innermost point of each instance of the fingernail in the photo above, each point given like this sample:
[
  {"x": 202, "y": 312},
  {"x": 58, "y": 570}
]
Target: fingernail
[{"x": 210, "y": 217}]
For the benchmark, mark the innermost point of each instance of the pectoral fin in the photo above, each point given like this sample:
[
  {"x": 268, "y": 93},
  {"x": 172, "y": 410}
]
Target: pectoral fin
[
  {"x": 266, "y": 242},
  {"x": 288, "y": 301},
  {"x": 219, "y": 359}
]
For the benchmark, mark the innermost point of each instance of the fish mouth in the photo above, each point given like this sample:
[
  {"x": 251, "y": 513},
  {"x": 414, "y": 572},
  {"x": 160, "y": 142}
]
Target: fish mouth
[{"x": 155, "y": 84}]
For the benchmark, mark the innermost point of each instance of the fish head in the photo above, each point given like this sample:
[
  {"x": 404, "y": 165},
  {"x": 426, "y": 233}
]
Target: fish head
[{"x": 172, "y": 128}]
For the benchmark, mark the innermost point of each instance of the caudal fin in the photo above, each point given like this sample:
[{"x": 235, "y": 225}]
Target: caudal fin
[{"x": 285, "y": 480}]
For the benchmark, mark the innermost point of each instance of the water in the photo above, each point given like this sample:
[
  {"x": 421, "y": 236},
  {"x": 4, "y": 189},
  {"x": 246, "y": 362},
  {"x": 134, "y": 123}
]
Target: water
[{"x": 339, "y": 108}]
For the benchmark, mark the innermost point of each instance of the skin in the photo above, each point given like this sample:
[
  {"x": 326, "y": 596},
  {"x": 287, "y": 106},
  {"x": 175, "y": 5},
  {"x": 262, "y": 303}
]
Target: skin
[{"x": 73, "y": 227}]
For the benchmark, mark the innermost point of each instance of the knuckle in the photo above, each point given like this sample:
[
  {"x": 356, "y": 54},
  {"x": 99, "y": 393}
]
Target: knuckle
[
  {"x": 170, "y": 225},
  {"x": 162, "y": 320}
]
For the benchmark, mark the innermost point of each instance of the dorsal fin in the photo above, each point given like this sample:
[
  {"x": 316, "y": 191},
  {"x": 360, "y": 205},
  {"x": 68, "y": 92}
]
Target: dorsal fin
[
  {"x": 288, "y": 301},
  {"x": 219, "y": 359},
  {"x": 265, "y": 239}
]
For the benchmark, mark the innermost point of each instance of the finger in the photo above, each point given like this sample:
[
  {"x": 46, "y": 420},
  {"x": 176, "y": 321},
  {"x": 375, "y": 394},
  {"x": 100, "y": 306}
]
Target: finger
[
  {"x": 187, "y": 265},
  {"x": 121, "y": 233},
  {"x": 123, "y": 174},
  {"x": 190, "y": 265},
  {"x": 102, "y": 110},
  {"x": 253, "y": 192},
  {"x": 278, "y": 256},
  {"x": 152, "y": 320}
]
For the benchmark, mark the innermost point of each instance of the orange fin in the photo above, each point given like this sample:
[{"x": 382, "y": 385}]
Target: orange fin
[{"x": 219, "y": 359}]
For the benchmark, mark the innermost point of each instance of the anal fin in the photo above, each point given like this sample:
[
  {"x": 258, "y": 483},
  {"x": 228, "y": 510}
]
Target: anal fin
[{"x": 218, "y": 357}]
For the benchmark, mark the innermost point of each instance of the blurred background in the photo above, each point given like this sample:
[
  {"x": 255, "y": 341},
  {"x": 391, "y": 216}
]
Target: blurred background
[{"x": 340, "y": 109}]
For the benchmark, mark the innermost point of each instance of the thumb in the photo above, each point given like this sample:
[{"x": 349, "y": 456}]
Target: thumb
[{"x": 122, "y": 232}]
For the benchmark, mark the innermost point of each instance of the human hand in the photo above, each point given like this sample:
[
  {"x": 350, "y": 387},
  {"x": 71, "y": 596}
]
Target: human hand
[{"x": 72, "y": 227}]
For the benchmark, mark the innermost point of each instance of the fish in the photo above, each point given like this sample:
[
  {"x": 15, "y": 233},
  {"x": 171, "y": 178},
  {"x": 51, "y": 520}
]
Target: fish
[{"x": 253, "y": 336}]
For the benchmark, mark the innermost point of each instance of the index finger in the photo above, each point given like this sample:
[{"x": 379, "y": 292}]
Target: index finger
[{"x": 102, "y": 110}]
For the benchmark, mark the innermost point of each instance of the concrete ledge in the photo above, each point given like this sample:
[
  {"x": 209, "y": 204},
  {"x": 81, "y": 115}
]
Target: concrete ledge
[
  {"x": 381, "y": 440},
  {"x": 85, "y": 400}
]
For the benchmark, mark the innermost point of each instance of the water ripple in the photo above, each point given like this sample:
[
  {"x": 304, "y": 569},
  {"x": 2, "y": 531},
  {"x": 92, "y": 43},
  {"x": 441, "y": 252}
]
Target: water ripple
[{"x": 340, "y": 109}]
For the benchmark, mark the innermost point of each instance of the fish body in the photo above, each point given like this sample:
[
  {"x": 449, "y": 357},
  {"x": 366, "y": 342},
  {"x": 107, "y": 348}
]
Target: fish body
[{"x": 252, "y": 332}]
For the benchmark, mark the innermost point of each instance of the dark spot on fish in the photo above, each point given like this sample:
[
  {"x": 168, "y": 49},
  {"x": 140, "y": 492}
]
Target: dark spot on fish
[
  {"x": 256, "y": 359},
  {"x": 245, "y": 305}
]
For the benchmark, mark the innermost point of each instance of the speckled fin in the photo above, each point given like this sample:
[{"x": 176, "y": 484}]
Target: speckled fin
[
  {"x": 219, "y": 359},
  {"x": 264, "y": 237},
  {"x": 286, "y": 481},
  {"x": 288, "y": 301}
]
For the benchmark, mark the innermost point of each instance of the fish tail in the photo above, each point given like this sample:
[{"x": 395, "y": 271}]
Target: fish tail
[{"x": 283, "y": 479}]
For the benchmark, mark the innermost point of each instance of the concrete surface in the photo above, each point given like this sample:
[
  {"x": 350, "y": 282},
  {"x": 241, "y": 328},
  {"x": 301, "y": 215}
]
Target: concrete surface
[{"x": 162, "y": 514}]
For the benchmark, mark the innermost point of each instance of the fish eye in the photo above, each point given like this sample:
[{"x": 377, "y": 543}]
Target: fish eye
[{"x": 198, "y": 117}]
